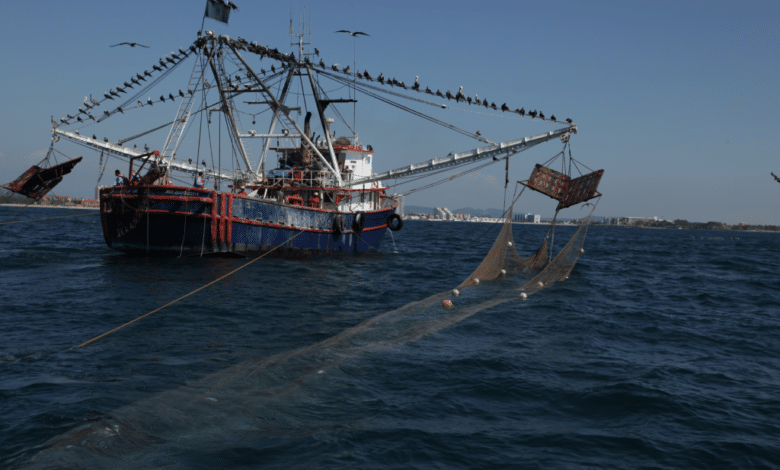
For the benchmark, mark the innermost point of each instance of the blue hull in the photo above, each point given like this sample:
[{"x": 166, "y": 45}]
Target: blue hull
[{"x": 184, "y": 221}]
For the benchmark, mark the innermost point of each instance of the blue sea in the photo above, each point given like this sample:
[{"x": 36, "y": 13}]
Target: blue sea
[{"x": 661, "y": 350}]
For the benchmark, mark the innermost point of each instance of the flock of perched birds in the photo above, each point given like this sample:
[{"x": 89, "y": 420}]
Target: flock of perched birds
[{"x": 286, "y": 61}]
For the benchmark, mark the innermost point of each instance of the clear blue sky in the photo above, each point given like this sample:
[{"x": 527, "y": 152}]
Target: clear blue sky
[{"x": 679, "y": 102}]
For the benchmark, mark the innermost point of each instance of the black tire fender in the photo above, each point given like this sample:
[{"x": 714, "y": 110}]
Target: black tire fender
[
  {"x": 390, "y": 222},
  {"x": 338, "y": 226},
  {"x": 359, "y": 222}
]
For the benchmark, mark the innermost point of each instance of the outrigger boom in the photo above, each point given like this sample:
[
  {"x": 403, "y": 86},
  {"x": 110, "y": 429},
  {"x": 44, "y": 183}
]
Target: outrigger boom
[{"x": 511, "y": 147}]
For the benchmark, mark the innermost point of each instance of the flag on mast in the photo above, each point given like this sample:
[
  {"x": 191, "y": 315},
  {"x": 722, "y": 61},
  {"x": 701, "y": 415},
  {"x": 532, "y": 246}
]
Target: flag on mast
[{"x": 217, "y": 10}]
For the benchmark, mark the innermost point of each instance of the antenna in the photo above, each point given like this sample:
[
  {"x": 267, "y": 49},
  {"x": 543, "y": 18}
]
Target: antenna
[{"x": 300, "y": 42}]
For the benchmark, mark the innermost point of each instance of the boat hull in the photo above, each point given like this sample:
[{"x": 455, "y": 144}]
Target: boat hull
[{"x": 166, "y": 220}]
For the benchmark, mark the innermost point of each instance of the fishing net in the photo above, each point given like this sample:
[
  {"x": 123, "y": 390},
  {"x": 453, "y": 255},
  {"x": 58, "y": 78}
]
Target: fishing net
[{"x": 503, "y": 259}]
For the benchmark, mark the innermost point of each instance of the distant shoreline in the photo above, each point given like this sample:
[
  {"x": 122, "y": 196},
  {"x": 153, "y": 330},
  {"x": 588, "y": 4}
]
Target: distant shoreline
[{"x": 51, "y": 207}]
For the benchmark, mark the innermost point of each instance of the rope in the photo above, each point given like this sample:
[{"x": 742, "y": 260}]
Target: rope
[{"x": 189, "y": 294}]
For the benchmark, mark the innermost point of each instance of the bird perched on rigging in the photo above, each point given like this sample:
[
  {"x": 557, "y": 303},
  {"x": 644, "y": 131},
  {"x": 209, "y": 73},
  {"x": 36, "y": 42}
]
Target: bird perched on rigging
[
  {"x": 147, "y": 74},
  {"x": 322, "y": 63},
  {"x": 316, "y": 52},
  {"x": 449, "y": 95},
  {"x": 460, "y": 96},
  {"x": 438, "y": 93},
  {"x": 170, "y": 96},
  {"x": 416, "y": 86},
  {"x": 149, "y": 100},
  {"x": 552, "y": 118},
  {"x": 520, "y": 111},
  {"x": 381, "y": 78},
  {"x": 273, "y": 69},
  {"x": 127, "y": 85},
  {"x": 568, "y": 119},
  {"x": 181, "y": 93},
  {"x": 355, "y": 34},
  {"x": 162, "y": 98},
  {"x": 140, "y": 105},
  {"x": 346, "y": 69},
  {"x": 367, "y": 76},
  {"x": 485, "y": 103},
  {"x": 131, "y": 44},
  {"x": 504, "y": 107},
  {"x": 541, "y": 115}
]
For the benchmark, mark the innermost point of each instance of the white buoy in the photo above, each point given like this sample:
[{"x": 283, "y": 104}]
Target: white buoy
[
  {"x": 582, "y": 250},
  {"x": 455, "y": 292},
  {"x": 509, "y": 244},
  {"x": 540, "y": 284},
  {"x": 503, "y": 272},
  {"x": 523, "y": 295},
  {"x": 476, "y": 280}
]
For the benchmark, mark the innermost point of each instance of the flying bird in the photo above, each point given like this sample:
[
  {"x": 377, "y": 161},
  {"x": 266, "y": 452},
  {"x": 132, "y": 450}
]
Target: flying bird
[
  {"x": 355, "y": 34},
  {"x": 131, "y": 44},
  {"x": 775, "y": 176}
]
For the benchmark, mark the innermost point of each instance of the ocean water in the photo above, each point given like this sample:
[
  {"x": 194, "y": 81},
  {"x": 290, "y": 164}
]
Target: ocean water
[{"x": 662, "y": 350}]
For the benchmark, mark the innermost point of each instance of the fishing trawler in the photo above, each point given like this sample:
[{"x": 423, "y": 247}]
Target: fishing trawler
[{"x": 321, "y": 194}]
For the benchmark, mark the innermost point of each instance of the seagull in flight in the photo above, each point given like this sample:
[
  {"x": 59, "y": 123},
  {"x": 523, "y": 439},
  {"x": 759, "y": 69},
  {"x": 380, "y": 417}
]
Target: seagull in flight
[
  {"x": 775, "y": 176},
  {"x": 355, "y": 34},
  {"x": 131, "y": 44}
]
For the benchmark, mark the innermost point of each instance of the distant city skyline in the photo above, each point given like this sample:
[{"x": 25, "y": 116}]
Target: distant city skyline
[{"x": 678, "y": 102}]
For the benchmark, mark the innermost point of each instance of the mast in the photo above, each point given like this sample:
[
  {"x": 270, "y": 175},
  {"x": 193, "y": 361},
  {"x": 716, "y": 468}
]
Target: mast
[
  {"x": 279, "y": 107},
  {"x": 229, "y": 113}
]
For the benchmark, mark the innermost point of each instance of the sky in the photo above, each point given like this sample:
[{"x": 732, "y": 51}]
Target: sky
[{"x": 679, "y": 102}]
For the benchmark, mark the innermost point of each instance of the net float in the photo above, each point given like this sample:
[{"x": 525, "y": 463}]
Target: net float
[{"x": 447, "y": 304}]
